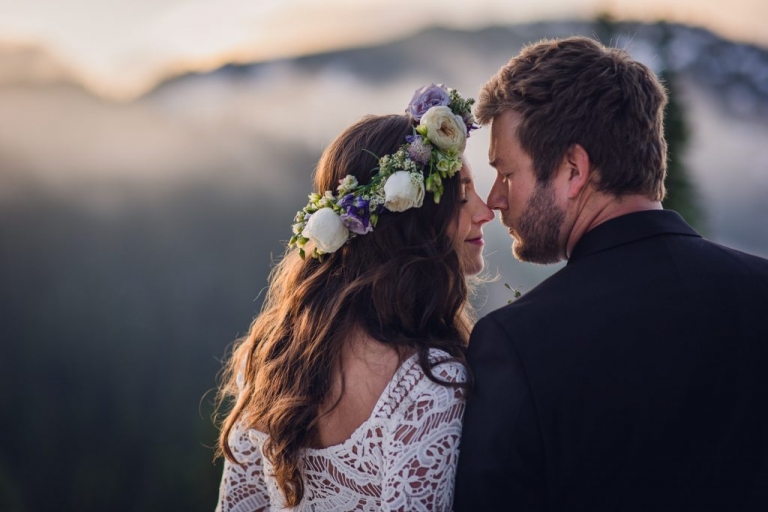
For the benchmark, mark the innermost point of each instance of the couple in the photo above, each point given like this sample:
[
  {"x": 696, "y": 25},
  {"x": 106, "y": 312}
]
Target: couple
[{"x": 632, "y": 379}]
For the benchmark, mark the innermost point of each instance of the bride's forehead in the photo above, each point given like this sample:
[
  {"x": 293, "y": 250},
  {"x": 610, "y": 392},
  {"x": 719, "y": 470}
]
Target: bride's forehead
[{"x": 466, "y": 169}]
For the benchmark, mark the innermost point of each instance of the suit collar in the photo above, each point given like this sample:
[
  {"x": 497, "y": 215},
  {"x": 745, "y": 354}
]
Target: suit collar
[{"x": 629, "y": 228}]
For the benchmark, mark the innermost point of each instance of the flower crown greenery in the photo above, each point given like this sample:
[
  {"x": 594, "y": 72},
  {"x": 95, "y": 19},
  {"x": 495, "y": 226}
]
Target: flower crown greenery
[{"x": 429, "y": 156}]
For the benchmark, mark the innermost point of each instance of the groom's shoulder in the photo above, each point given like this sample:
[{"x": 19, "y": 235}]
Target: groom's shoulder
[
  {"x": 734, "y": 257},
  {"x": 712, "y": 264}
]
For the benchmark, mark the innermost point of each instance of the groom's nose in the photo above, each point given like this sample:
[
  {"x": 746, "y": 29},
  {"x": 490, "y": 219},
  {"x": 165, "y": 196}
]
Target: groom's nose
[{"x": 497, "y": 198}]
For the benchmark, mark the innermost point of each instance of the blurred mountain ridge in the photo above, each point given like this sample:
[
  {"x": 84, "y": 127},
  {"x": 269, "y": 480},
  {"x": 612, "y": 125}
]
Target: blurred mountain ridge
[{"x": 738, "y": 70}]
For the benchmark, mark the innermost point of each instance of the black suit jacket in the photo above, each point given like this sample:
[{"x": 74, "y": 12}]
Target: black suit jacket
[{"x": 632, "y": 379}]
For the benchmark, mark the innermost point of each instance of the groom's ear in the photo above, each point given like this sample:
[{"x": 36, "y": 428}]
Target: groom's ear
[{"x": 578, "y": 169}]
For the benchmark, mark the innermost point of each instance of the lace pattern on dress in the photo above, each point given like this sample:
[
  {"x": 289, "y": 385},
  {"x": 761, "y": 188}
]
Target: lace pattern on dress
[{"x": 402, "y": 458}]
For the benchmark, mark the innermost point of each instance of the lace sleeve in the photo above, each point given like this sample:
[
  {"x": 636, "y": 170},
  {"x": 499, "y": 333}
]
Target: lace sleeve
[
  {"x": 422, "y": 446},
  {"x": 242, "y": 486}
]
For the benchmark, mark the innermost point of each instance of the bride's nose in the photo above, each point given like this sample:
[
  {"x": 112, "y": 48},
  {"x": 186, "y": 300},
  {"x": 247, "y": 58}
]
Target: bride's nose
[{"x": 481, "y": 213}]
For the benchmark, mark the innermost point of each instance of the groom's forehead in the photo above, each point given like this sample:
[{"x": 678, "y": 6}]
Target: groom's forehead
[
  {"x": 504, "y": 139},
  {"x": 495, "y": 150},
  {"x": 504, "y": 126}
]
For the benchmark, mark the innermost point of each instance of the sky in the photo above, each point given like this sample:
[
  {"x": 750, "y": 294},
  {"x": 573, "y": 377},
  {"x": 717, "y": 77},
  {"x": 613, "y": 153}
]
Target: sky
[{"x": 122, "y": 48}]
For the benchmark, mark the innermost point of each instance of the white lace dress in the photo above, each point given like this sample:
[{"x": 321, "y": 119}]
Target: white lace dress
[{"x": 402, "y": 458}]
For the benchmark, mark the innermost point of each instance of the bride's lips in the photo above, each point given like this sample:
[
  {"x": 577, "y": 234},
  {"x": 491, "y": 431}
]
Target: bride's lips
[{"x": 476, "y": 241}]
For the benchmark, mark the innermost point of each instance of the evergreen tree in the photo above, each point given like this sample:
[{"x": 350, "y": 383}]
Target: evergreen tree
[{"x": 681, "y": 191}]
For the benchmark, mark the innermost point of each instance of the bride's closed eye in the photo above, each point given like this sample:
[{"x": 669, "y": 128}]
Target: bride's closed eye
[{"x": 466, "y": 183}]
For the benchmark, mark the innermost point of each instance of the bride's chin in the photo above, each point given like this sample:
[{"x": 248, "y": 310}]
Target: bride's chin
[
  {"x": 472, "y": 259},
  {"x": 472, "y": 268}
]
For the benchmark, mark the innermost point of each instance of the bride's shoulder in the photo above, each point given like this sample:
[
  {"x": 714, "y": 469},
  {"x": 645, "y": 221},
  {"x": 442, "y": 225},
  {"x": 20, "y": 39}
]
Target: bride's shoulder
[
  {"x": 444, "y": 367},
  {"x": 411, "y": 384}
]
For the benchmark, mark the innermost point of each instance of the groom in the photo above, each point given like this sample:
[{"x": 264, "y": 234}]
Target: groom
[{"x": 635, "y": 377}]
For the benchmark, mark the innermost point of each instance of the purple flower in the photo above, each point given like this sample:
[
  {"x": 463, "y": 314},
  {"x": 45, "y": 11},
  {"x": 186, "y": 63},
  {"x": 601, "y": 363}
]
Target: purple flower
[
  {"x": 355, "y": 224},
  {"x": 357, "y": 217},
  {"x": 427, "y": 97},
  {"x": 352, "y": 201},
  {"x": 420, "y": 150},
  {"x": 469, "y": 121}
]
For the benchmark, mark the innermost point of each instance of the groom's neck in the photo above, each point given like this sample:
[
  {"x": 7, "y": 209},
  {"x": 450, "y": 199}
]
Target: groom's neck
[{"x": 601, "y": 208}]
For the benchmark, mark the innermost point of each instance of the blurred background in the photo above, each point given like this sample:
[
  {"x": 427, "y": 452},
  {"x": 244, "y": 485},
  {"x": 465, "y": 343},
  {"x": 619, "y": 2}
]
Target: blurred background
[{"x": 153, "y": 154}]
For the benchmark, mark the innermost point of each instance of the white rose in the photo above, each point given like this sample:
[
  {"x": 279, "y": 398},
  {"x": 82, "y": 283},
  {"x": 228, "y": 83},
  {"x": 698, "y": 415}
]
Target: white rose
[
  {"x": 404, "y": 190},
  {"x": 325, "y": 229},
  {"x": 445, "y": 129}
]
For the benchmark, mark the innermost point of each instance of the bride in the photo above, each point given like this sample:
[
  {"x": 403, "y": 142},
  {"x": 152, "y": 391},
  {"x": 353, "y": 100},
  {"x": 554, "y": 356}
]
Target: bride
[{"x": 349, "y": 389}]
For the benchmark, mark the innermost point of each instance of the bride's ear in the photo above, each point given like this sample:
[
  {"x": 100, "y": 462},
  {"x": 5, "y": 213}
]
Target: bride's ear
[{"x": 577, "y": 169}]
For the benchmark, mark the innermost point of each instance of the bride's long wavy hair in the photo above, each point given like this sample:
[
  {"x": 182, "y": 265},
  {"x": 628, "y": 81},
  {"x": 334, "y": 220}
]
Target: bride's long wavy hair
[{"x": 403, "y": 285}]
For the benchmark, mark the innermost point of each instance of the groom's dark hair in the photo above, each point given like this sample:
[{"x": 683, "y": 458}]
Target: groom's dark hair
[{"x": 577, "y": 91}]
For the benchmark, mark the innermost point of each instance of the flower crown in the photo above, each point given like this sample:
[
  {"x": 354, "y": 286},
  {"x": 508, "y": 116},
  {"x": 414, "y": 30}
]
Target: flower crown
[{"x": 430, "y": 155}]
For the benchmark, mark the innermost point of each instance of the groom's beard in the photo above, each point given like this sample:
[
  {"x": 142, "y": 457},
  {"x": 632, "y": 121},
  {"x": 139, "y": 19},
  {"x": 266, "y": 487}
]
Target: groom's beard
[{"x": 537, "y": 234}]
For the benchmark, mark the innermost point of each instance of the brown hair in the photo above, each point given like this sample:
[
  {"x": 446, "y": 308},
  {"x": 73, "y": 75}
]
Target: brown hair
[
  {"x": 576, "y": 91},
  {"x": 402, "y": 284}
]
